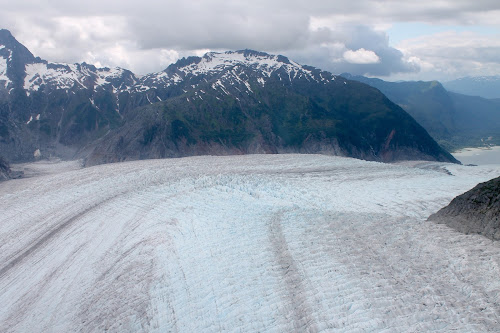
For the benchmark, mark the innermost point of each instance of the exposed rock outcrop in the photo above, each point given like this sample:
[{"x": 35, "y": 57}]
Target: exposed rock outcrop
[
  {"x": 4, "y": 170},
  {"x": 474, "y": 212}
]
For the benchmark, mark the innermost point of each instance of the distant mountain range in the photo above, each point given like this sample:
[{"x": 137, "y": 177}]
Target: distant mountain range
[
  {"x": 222, "y": 103},
  {"x": 482, "y": 86},
  {"x": 454, "y": 120}
]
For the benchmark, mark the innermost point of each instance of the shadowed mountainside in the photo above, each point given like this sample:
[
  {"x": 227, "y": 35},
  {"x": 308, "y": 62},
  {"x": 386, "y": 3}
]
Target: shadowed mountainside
[
  {"x": 453, "y": 120},
  {"x": 475, "y": 212},
  {"x": 4, "y": 169}
]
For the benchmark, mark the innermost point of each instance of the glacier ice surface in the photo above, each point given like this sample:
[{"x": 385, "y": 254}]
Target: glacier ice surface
[{"x": 275, "y": 243}]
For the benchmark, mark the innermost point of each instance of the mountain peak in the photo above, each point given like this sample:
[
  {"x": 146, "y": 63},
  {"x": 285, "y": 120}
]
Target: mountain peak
[
  {"x": 248, "y": 57},
  {"x": 236, "y": 57},
  {"x": 249, "y": 53},
  {"x": 265, "y": 63},
  {"x": 13, "y": 58},
  {"x": 10, "y": 42},
  {"x": 5, "y": 35}
]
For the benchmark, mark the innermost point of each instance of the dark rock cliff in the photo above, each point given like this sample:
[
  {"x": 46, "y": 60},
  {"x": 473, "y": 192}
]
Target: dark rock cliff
[
  {"x": 474, "y": 212},
  {"x": 4, "y": 170}
]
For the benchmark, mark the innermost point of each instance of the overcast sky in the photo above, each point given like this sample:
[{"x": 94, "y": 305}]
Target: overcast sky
[{"x": 392, "y": 39}]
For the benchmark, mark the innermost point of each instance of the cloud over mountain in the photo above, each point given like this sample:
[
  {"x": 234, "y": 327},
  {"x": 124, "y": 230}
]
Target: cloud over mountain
[{"x": 149, "y": 35}]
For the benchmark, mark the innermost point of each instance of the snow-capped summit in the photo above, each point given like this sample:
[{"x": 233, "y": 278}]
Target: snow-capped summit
[
  {"x": 79, "y": 76},
  {"x": 4, "y": 78},
  {"x": 231, "y": 70},
  {"x": 13, "y": 57},
  {"x": 267, "y": 64},
  {"x": 20, "y": 69}
]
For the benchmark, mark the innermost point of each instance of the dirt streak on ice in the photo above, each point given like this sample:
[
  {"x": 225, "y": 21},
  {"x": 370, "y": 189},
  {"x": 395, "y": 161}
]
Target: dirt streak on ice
[{"x": 274, "y": 243}]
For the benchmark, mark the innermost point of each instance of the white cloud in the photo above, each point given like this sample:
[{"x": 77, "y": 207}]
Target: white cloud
[
  {"x": 168, "y": 56},
  {"x": 453, "y": 54},
  {"x": 361, "y": 56},
  {"x": 146, "y": 35},
  {"x": 423, "y": 65},
  {"x": 377, "y": 12}
]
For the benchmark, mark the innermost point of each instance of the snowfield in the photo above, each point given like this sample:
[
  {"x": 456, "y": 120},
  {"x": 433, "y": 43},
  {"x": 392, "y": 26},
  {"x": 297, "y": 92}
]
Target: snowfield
[{"x": 274, "y": 243}]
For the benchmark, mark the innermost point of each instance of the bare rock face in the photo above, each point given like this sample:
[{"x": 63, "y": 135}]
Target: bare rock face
[
  {"x": 4, "y": 169},
  {"x": 474, "y": 212}
]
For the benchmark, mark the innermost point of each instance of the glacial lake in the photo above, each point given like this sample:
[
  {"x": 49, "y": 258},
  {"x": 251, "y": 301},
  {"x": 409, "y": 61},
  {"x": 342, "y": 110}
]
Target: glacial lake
[{"x": 479, "y": 156}]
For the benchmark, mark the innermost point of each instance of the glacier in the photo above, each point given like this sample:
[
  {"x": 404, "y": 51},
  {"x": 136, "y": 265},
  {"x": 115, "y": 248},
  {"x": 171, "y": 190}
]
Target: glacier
[{"x": 274, "y": 243}]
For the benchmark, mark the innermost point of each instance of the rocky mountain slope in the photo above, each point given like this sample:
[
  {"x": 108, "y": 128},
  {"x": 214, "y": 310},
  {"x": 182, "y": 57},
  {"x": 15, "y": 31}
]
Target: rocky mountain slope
[
  {"x": 475, "y": 212},
  {"x": 454, "y": 120},
  {"x": 250, "y": 102},
  {"x": 221, "y": 103},
  {"x": 54, "y": 108},
  {"x": 4, "y": 170}
]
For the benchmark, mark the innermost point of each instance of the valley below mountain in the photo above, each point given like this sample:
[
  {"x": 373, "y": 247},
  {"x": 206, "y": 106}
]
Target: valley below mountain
[
  {"x": 454, "y": 120},
  {"x": 275, "y": 243}
]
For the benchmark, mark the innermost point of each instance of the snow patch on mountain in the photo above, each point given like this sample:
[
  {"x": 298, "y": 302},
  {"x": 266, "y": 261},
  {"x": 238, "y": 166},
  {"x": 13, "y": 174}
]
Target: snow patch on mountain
[
  {"x": 265, "y": 63},
  {"x": 157, "y": 80},
  {"x": 141, "y": 88},
  {"x": 104, "y": 75},
  {"x": 229, "y": 68},
  {"x": 218, "y": 84},
  {"x": 57, "y": 75},
  {"x": 67, "y": 76},
  {"x": 3, "y": 72}
]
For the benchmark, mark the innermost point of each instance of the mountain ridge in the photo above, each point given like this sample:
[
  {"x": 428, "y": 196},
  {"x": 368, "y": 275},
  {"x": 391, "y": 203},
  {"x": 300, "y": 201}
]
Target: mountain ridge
[
  {"x": 454, "y": 120},
  {"x": 482, "y": 86},
  {"x": 258, "y": 103}
]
